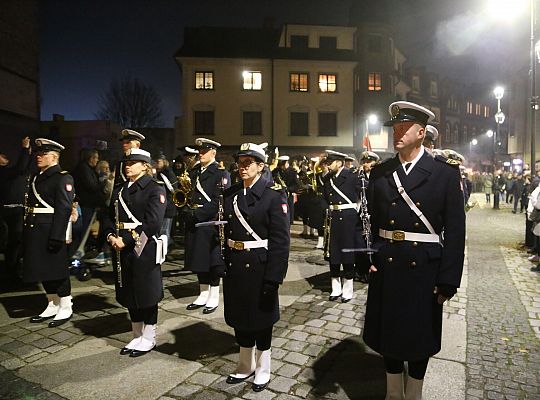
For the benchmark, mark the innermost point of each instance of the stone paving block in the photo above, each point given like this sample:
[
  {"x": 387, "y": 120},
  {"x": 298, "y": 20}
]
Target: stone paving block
[
  {"x": 294, "y": 345},
  {"x": 297, "y": 335},
  {"x": 12, "y": 363},
  {"x": 55, "y": 348},
  {"x": 4, "y": 340},
  {"x": 289, "y": 370},
  {"x": 36, "y": 357},
  {"x": 185, "y": 390},
  {"x": 203, "y": 379},
  {"x": 278, "y": 354},
  {"x": 296, "y": 358},
  {"x": 318, "y": 323},
  {"x": 281, "y": 384},
  {"x": 313, "y": 350},
  {"x": 44, "y": 343},
  {"x": 11, "y": 346},
  {"x": 278, "y": 341},
  {"x": 222, "y": 386},
  {"x": 264, "y": 395},
  {"x": 29, "y": 338},
  {"x": 209, "y": 395},
  {"x": 302, "y": 390}
]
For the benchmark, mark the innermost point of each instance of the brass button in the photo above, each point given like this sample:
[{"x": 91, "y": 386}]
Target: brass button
[
  {"x": 416, "y": 224},
  {"x": 248, "y": 250},
  {"x": 341, "y": 219},
  {"x": 391, "y": 241},
  {"x": 415, "y": 244},
  {"x": 247, "y": 233},
  {"x": 417, "y": 204},
  {"x": 393, "y": 203},
  {"x": 247, "y": 265},
  {"x": 339, "y": 202},
  {"x": 230, "y": 215},
  {"x": 392, "y": 222},
  {"x": 390, "y": 259},
  {"x": 31, "y": 226},
  {"x": 413, "y": 264},
  {"x": 230, "y": 264}
]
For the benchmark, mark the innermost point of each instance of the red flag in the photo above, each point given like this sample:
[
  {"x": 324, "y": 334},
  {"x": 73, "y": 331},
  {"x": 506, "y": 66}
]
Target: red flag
[{"x": 366, "y": 143}]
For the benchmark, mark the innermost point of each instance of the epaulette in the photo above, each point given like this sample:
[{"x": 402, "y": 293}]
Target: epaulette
[
  {"x": 448, "y": 161},
  {"x": 221, "y": 168},
  {"x": 64, "y": 172},
  {"x": 277, "y": 187},
  {"x": 158, "y": 181}
]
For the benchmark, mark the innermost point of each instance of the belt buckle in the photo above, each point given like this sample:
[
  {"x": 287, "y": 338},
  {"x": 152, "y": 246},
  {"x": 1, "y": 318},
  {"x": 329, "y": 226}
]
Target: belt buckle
[
  {"x": 238, "y": 245},
  {"x": 398, "y": 235},
  {"x": 30, "y": 210},
  {"x": 120, "y": 225},
  {"x": 335, "y": 207}
]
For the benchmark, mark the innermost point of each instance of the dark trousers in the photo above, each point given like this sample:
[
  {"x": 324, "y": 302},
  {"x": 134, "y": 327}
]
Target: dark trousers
[
  {"x": 417, "y": 369},
  {"x": 61, "y": 287},
  {"x": 13, "y": 218},
  {"x": 496, "y": 198},
  {"x": 209, "y": 278},
  {"x": 262, "y": 339},
  {"x": 146, "y": 315},
  {"x": 348, "y": 271}
]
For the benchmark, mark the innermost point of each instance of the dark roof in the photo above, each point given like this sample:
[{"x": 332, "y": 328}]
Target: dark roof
[{"x": 219, "y": 42}]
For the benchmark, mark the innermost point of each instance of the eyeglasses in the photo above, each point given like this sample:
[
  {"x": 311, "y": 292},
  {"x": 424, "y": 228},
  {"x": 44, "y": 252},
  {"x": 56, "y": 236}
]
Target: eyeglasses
[{"x": 245, "y": 163}]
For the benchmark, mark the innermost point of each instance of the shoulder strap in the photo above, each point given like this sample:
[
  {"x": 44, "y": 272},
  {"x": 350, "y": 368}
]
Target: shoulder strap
[
  {"x": 38, "y": 197},
  {"x": 167, "y": 182},
  {"x": 411, "y": 204},
  {"x": 243, "y": 221},
  {"x": 126, "y": 209},
  {"x": 201, "y": 190},
  {"x": 340, "y": 192}
]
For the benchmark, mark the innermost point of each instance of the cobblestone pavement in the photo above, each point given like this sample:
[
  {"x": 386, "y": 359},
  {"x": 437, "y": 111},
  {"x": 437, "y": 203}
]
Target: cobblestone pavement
[
  {"x": 503, "y": 314},
  {"x": 317, "y": 348}
]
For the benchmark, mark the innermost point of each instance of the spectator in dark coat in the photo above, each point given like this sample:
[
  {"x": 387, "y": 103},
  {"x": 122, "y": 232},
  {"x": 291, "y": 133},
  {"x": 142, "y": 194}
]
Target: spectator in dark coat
[{"x": 517, "y": 191}]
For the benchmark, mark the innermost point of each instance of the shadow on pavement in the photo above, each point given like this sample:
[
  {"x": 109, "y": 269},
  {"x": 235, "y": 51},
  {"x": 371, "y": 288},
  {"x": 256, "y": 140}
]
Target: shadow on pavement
[
  {"x": 104, "y": 326},
  {"x": 198, "y": 342},
  {"x": 21, "y": 306},
  {"x": 320, "y": 281},
  {"x": 348, "y": 367},
  {"x": 87, "y": 302},
  {"x": 184, "y": 290}
]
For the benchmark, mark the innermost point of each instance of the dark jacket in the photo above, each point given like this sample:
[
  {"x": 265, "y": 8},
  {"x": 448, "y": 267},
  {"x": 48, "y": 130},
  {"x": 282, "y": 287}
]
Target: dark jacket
[
  {"x": 247, "y": 305},
  {"x": 170, "y": 212},
  {"x": 141, "y": 275},
  {"x": 202, "y": 249},
  {"x": 89, "y": 189},
  {"x": 14, "y": 179},
  {"x": 55, "y": 187},
  {"x": 345, "y": 232},
  {"x": 403, "y": 319}
]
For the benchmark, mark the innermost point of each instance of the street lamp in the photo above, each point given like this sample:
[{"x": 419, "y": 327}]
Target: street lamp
[
  {"x": 372, "y": 119},
  {"x": 490, "y": 134},
  {"x": 499, "y": 118},
  {"x": 472, "y": 143},
  {"x": 534, "y": 98}
]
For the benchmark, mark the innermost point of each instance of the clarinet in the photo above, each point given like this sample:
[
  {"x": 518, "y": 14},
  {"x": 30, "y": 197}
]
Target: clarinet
[
  {"x": 118, "y": 264},
  {"x": 221, "y": 227},
  {"x": 365, "y": 217}
]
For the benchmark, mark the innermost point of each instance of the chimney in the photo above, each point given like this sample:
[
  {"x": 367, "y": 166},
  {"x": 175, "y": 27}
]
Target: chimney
[{"x": 57, "y": 117}]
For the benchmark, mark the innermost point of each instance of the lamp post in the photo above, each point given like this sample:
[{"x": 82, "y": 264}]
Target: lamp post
[
  {"x": 490, "y": 134},
  {"x": 472, "y": 143},
  {"x": 372, "y": 119},
  {"x": 499, "y": 118},
  {"x": 534, "y": 98}
]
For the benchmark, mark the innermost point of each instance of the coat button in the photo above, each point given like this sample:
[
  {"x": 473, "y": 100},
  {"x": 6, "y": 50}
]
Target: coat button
[
  {"x": 417, "y": 204},
  {"x": 392, "y": 222},
  {"x": 339, "y": 202},
  {"x": 230, "y": 264},
  {"x": 415, "y": 244},
  {"x": 413, "y": 264},
  {"x": 31, "y": 226},
  {"x": 248, "y": 250},
  {"x": 416, "y": 224},
  {"x": 391, "y": 241},
  {"x": 230, "y": 215},
  {"x": 390, "y": 259},
  {"x": 247, "y": 265},
  {"x": 341, "y": 219},
  {"x": 393, "y": 204}
]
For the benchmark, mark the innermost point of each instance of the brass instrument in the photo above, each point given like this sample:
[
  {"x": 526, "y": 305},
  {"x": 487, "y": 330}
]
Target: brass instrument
[
  {"x": 326, "y": 234},
  {"x": 118, "y": 264},
  {"x": 181, "y": 196}
]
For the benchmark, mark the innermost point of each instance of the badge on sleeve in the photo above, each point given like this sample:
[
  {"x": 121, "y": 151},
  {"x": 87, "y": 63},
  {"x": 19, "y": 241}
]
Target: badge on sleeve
[
  {"x": 69, "y": 187},
  {"x": 285, "y": 208},
  {"x": 162, "y": 198}
]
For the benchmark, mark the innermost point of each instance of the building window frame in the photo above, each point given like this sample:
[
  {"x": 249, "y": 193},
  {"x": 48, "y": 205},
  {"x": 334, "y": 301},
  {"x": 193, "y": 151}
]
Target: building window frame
[
  {"x": 374, "y": 81},
  {"x": 204, "y": 122},
  {"x": 252, "y": 80},
  {"x": 469, "y": 107},
  {"x": 328, "y": 42},
  {"x": 325, "y": 128},
  {"x": 296, "y": 120},
  {"x": 252, "y": 123},
  {"x": 204, "y": 80},
  {"x": 299, "y": 41},
  {"x": 325, "y": 82},
  {"x": 299, "y": 82}
]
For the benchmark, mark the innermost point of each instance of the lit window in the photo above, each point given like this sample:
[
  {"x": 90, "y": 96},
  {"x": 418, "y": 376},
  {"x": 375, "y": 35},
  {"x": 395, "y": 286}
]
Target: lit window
[
  {"x": 486, "y": 111},
  {"x": 478, "y": 108},
  {"x": 204, "y": 80},
  {"x": 328, "y": 82},
  {"x": 252, "y": 80},
  {"x": 299, "y": 82},
  {"x": 469, "y": 107},
  {"x": 374, "y": 82}
]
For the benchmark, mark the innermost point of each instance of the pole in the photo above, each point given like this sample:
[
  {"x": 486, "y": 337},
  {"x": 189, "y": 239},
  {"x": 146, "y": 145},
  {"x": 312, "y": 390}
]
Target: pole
[{"x": 533, "y": 89}]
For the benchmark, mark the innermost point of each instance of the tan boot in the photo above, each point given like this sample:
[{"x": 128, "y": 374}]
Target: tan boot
[
  {"x": 394, "y": 387},
  {"x": 414, "y": 389}
]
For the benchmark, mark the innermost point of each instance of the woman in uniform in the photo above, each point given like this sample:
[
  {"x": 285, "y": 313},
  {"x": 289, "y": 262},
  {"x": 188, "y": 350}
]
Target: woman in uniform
[
  {"x": 138, "y": 207},
  {"x": 256, "y": 256},
  {"x": 48, "y": 209}
]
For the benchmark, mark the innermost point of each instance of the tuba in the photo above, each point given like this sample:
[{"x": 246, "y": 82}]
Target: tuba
[{"x": 180, "y": 196}]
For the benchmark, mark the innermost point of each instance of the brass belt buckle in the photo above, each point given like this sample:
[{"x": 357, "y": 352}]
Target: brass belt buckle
[
  {"x": 238, "y": 245},
  {"x": 120, "y": 225},
  {"x": 398, "y": 235},
  {"x": 335, "y": 207}
]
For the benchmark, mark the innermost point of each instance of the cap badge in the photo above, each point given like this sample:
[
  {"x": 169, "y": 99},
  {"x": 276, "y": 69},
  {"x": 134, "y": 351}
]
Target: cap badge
[
  {"x": 244, "y": 146},
  {"x": 395, "y": 111}
]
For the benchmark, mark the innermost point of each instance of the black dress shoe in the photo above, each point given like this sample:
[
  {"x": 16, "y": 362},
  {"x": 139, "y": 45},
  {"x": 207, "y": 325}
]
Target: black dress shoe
[
  {"x": 57, "y": 322},
  {"x": 209, "y": 310},
  {"x": 194, "y": 306},
  {"x": 37, "y": 319},
  {"x": 259, "y": 388},
  {"x": 345, "y": 300},
  {"x": 138, "y": 353},
  {"x": 231, "y": 380},
  {"x": 125, "y": 351},
  {"x": 333, "y": 298}
]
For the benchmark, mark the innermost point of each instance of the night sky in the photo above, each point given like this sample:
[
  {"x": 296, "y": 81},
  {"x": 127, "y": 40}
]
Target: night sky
[{"x": 85, "y": 44}]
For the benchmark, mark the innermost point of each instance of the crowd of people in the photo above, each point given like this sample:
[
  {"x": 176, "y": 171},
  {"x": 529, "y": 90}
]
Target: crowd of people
[{"x": 397, "y": 225}]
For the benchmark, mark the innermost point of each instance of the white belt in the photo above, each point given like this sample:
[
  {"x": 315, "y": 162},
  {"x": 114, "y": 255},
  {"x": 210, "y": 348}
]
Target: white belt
[
  {"x": 40, "y": 210},
  {"x": 252, "y": 244},
  {"x": 129, "y": 225},
  {"x": 409, "y": 236},
  {"x": 13, "y": 205},
  {"x": 335, "y": 207}
]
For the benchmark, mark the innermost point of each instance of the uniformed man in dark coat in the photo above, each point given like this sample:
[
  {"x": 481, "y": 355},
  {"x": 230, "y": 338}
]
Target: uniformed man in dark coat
[
  {"x": 412, "y": 199},
  {"x": 202, "y": 249},
  {"x": 48, "y": 209},
  {"x": 138, "y": 251},
  {"x": 258, "y": 242},
  {"x": 317, "y": 205},
  {"x": 430, "y": 140},
  {"x": 130, "y": 140},
  {"x": 342, "y": 191},
  {"x": 287, "y": 177}
]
